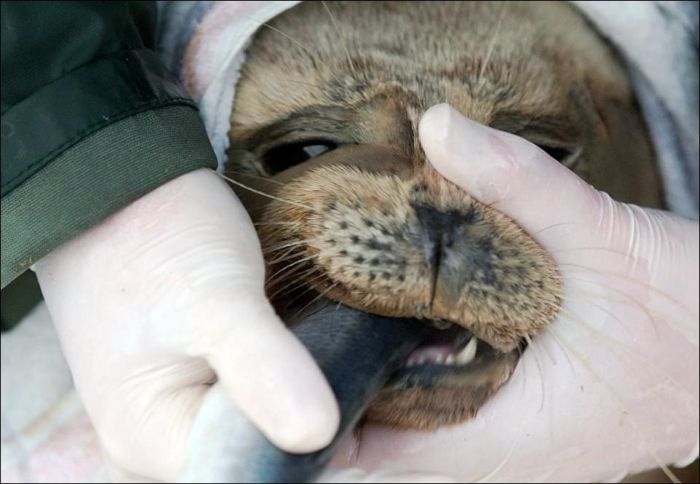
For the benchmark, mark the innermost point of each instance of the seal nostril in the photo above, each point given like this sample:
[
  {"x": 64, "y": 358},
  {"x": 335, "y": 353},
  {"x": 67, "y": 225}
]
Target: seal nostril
[
  {"x": 437, "y": 230},
  {"x": 431, "y": 251},
  {"x": 437, "y": 235}
]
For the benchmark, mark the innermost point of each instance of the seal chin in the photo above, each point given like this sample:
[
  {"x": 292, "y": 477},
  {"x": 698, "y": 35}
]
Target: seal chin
[{"x": 444, "y": 381}]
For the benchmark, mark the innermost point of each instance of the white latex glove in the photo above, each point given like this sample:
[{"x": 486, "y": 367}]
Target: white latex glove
[
  {"x": 157, "y": 302},
  {"x": 612, "y": 387}
]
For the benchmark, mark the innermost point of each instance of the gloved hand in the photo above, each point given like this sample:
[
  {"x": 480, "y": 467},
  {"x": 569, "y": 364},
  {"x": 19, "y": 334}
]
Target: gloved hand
[
  {"x": 156, "y": 303},
  {"x": 612, "y": 386}
]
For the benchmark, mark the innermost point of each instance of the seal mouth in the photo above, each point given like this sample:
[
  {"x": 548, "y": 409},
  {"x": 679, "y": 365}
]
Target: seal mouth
[
  {"x": 368, "y": 359},
  {"x": 450, "y": 346},
  {"x": 447, "y": 356}
]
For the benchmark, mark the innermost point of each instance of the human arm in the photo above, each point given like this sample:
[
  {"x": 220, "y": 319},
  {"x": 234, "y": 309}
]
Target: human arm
[{"x": 149, "y": 265}]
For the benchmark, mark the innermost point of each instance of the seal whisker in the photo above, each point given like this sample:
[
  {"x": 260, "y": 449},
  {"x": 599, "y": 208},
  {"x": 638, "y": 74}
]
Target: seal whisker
[
  {"x": 289, "y": 266},
  {"x": 296, "y": 41},
  {"x": 289, "y": 256},
  {"x": 688, "y": 332},
  {"x": 539, "y": 368},
  {"x": 298, "y": 296},
  {"x": 532, "y": 234},
  {"x": 615, "y": 346},
  {"x": 616, "y": 398},
  {"x": 341, "y": 37},
  {"x": 259, "y": 192},
  {"x": 289, "y": 224},
  {"x": 257, "y": 177},
  {"x": 319, "y": 296},
  {"x": 589, "y": 297},
  {"x": 291, "y": 286},
  {"x": 602, "y": 249},
  {"x": 286, "y": 244},
  {"x": 267, "y": 25},
  {"x": 637, "y": 282},
  {"x": 292, "y": 246},
  {"x": 492, "y": 43}
]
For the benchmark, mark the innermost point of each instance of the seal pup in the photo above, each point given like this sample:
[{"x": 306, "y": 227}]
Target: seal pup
[{"x": 324, "y": 128}]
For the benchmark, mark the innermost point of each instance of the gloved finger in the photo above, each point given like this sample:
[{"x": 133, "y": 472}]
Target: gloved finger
[
  {"x": 564, "y": 213},
  {"x": 507, "y": 172},
  {"x": 266, "y": 371},
  {"x": 194, "y": 272},
  {"x": 148, "y": 441},
  {"x": 359, "y": 475},
  {"x": 271, "y": 376}
]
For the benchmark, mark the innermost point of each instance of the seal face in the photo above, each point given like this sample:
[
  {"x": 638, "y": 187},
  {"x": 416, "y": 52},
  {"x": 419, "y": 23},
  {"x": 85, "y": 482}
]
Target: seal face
[{"x": 324, "y": 128}]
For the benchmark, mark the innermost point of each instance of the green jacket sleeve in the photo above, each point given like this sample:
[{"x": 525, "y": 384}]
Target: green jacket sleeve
[{"x": 90, "y": 121}]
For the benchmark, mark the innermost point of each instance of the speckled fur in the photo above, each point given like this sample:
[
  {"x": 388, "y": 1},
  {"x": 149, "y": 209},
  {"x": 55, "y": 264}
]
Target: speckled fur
[
  {"x": 450, "y": 400},
  {"x": 372, "y": 252},
  {"x": 351, "y": 220}
]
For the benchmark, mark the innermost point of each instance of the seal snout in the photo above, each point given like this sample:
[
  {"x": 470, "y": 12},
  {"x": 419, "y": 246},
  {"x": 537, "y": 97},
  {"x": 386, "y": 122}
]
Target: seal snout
[{"x": 448, "y": 253}]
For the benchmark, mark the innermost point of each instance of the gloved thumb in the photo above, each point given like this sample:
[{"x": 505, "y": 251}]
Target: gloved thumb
[
  {"x": 507, "y": 172},
  {"x": 560, "y": 210}
]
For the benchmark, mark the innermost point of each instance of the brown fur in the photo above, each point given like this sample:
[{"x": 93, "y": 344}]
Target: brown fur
[
  {"x": 450, "y": 400},
  {"x": 353, "y": 221}
]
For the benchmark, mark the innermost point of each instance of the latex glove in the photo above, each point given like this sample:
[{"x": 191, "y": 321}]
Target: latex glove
[
  {"x": 157, "y": 302},
  {"x": 612, "y": 386}
]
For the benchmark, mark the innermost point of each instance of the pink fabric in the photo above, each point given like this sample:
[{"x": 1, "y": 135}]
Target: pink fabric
[
  {"x": 203, "y": 56},
  {"x": 46, "y": 435},
  {"x": 214, "y": 57}
]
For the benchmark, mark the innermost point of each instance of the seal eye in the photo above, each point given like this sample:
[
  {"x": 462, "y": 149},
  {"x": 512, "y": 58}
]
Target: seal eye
[
  {"x": 559, "y": 154},
  {"x": 288, "y": 155}
]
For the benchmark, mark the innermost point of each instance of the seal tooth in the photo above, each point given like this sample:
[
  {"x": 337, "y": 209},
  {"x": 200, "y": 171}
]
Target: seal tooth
[
  {"x": 450, "y": 360},
  {"x": 439, "y": 359},
  {"x": 466, "y": 356}
]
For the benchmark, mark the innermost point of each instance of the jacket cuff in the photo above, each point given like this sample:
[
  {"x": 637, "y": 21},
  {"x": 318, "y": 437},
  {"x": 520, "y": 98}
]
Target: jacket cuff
[
  {"x": 39, "y": 128},
  {"x": 100, "y": 174}
]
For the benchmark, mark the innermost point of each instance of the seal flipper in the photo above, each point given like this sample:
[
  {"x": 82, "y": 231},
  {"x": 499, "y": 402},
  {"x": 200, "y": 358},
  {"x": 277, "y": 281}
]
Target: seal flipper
[{"x": 357, "y": 352}]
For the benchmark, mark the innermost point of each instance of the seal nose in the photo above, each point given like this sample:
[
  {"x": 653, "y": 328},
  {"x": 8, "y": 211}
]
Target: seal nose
[
  {"x": 458, "y": 251},
  {"x": 438, "y": 231}
]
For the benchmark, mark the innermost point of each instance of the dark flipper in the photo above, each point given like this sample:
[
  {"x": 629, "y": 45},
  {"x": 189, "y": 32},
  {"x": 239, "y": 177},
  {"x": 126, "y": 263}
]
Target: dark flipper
[{"x": 358, "y": 352}]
